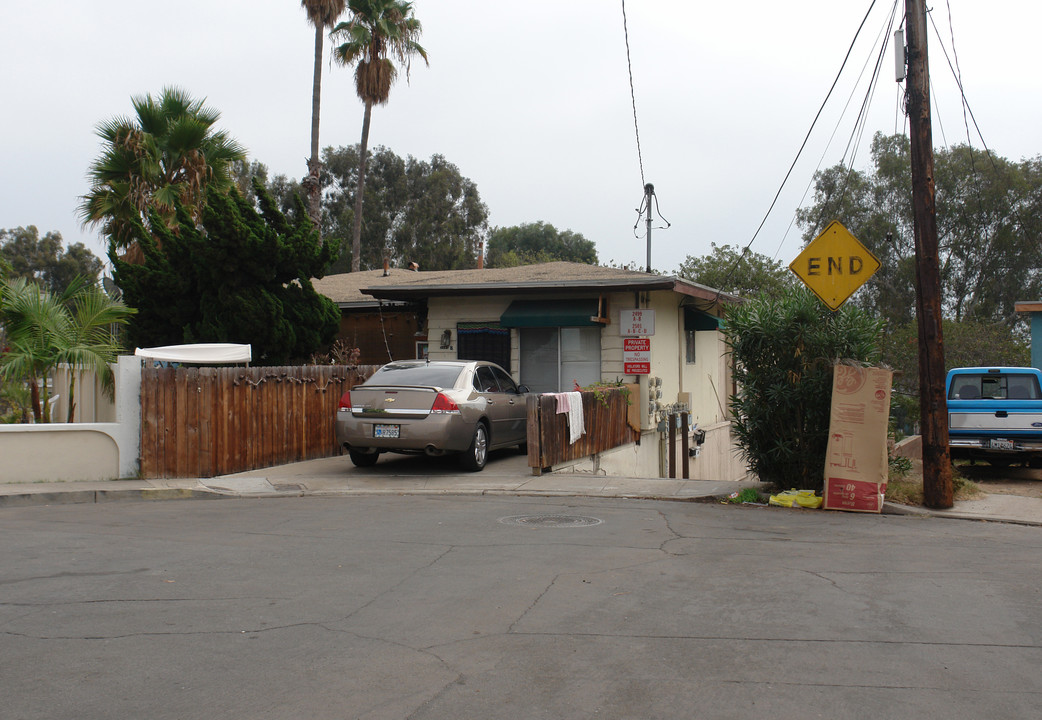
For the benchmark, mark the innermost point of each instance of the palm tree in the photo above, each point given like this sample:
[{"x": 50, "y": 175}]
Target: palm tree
[
  {"x": 168, "y": 153},
  {"x": 45, "y": 330},
  {"x": 378, "y": 31},
  {"x": 28, "y": 315},
  {"x": 321, "y": 14}
]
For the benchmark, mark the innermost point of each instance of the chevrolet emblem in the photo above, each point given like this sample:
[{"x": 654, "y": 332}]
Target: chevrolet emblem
[{"x": 388, "y": 399}]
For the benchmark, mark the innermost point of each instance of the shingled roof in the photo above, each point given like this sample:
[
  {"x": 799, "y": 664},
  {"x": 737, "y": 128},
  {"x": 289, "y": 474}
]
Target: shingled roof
[{"x": 361, "y": 288}]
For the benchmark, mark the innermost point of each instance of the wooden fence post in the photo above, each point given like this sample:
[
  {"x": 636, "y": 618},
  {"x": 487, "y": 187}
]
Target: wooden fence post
[
  {"x": 685, "y": 461},
  {"x": 672, "y": 420},
  {"x": 532, "y": 422}
]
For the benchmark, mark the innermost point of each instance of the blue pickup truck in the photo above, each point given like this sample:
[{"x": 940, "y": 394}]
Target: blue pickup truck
[{"x": 995, "y": 414}]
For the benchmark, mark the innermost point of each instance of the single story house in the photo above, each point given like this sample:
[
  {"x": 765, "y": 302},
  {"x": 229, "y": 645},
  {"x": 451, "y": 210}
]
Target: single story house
[{"x": 555, "y": 325}]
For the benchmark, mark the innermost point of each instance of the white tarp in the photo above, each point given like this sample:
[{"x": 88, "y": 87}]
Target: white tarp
[{"x": 199, "y": 353}]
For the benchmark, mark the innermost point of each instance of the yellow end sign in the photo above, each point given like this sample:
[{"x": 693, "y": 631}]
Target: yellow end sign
[{"x": 834, "y": 265}]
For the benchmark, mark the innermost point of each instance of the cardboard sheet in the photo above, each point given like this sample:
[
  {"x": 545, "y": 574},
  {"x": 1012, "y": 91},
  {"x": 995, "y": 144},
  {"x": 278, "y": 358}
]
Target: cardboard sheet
[{"x": 856, "y": 465}]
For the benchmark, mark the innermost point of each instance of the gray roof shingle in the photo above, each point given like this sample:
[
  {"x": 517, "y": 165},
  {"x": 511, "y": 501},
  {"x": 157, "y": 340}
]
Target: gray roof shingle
[{"x": 361, "y": 288}]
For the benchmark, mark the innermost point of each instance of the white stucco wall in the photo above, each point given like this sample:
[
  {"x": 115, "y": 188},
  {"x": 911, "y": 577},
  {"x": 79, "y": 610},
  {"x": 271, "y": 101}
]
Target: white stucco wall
[
  {"x": 717, "y": 458},
  {"x": 708, "y": 379},
  {"x": 57, "y": 452},
  {"x": 65, "y": 452}
]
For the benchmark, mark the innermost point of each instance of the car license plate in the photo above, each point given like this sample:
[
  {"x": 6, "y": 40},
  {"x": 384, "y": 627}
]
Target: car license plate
[
  {"x": 386, "y": 431},
  {"x": 1000, "y": 444}
]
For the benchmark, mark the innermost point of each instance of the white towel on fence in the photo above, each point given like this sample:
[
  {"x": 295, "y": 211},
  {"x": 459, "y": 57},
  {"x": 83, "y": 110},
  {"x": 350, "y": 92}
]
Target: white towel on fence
[
  {"x": 575, "y": 416},
  {"x": 570, "y": 404}
]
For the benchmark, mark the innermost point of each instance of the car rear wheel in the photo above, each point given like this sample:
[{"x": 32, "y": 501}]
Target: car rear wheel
[
  {"x": 476, "y": 456},
  {"x": 361, "y": 459}
]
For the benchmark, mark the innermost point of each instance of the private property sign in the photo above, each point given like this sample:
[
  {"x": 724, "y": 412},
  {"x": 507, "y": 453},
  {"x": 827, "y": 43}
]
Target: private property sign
[
  {"x": 636, "y": 356},
  {"x": 834, "y": 265}
]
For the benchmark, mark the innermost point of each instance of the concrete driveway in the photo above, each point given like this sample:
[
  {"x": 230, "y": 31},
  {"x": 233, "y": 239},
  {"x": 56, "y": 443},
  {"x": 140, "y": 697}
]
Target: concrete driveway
[{"x": 501, "y": 463}]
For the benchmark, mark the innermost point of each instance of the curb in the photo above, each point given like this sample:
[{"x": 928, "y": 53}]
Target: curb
[
  {"x": 921, "y": 512},
  {"x": 80, "y": 497}
]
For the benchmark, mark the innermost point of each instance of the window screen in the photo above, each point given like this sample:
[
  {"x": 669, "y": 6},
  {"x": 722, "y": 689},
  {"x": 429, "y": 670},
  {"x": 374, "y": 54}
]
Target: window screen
[
  {"x": 483, "y": 341},
  {"x": 689, "y": 346}
]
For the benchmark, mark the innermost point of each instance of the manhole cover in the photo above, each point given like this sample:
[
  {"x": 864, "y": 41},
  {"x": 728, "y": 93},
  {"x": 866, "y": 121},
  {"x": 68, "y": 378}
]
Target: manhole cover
[{"x": 551, "y": 521}]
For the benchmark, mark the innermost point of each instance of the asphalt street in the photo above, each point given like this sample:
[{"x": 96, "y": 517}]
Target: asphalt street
[{"x": 512, "y": 607}]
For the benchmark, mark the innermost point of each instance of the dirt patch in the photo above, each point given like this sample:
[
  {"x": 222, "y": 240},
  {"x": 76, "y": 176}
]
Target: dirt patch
[
  {"x": 969, "y": 482},
  {"x": 1025, "y": 482}
]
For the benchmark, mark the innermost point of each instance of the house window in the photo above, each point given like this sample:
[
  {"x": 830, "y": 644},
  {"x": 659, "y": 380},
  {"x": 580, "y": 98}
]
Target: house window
[
  {"x": 696, "y": 321},
  {"x": 483, "y": 341},
  {"x": 554, "y": 359}
]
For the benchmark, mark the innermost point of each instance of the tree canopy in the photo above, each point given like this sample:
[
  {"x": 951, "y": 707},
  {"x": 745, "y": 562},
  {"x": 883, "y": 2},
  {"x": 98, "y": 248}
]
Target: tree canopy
[
  {"x": 168, "y": 154},
  {"x": 239, "y": 276},
  {"x": 783, "y": 351},
  {"x": 733, "y": 271},
  {"x": 537, "y": 242},
  {"x": 989, "y": 220},
  {"x": 421, "y": 211},
  {"x": 968, "y": 343},
  {"x": 46, "y": 260}
]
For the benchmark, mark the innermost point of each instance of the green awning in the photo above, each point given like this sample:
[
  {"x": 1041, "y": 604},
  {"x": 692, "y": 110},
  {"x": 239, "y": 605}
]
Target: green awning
[
  {"x": 550, "y": 313},
  {"x": 698, "y": 320}
]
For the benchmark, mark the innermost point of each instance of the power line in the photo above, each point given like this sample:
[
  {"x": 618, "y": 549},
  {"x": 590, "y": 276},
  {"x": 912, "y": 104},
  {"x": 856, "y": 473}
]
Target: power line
[
  {"x": 862, "y": 119},
  {"x": 633, "y": 96},
  {"x": 999, "y": 173},
  {"x": 884, "y": 33},
  {"x": 803, "y": 145}
]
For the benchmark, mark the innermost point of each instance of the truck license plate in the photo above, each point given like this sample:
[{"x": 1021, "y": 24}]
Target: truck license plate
[
  {"x": 1000, "y": 444},
  {"x": 393, "y": 431}
]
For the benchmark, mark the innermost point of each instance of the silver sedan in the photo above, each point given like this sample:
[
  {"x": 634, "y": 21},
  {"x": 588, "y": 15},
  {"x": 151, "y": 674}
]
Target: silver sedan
[{"x": 434, "y": 407}]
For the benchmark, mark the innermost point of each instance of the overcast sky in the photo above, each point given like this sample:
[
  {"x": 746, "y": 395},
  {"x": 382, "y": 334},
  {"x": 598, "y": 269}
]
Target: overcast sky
[{"x": 531, "y": 100}]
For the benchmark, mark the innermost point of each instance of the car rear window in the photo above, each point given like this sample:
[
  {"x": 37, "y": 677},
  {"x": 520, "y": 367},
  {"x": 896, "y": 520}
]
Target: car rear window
[
  {"x": 423, "y": 375},
  {"x": 995, "y": 386}
]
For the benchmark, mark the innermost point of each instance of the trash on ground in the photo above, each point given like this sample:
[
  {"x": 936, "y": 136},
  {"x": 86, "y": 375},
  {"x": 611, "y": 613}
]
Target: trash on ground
[{"x": 796, "y": 498}]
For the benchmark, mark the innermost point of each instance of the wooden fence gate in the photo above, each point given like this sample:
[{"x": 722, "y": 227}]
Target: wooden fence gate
[{"x": 204, "y": 422}]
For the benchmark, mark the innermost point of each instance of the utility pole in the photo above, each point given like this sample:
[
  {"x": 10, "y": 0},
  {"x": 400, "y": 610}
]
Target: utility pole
[
  {"x": 649, "y": 192},
  {"x": 937, "y": 468}
]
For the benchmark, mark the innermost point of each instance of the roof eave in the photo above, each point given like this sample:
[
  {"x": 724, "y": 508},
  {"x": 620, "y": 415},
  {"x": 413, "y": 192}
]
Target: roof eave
[{"x": 575, "y": 287}]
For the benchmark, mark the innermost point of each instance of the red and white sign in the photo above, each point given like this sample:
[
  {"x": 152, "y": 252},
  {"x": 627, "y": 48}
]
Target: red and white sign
[
  {"x": 636, "y": 356},
  {"x": 637, "y": 322}
]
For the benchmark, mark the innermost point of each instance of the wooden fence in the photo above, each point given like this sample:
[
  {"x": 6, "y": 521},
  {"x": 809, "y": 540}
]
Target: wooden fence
[
  {"x": 605, "y": 419},
  {"x": 203, "y": 422}
]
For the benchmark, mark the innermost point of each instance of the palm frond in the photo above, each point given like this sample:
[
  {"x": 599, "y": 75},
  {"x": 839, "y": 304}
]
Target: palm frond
[{"x": 323, "y": 12}]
